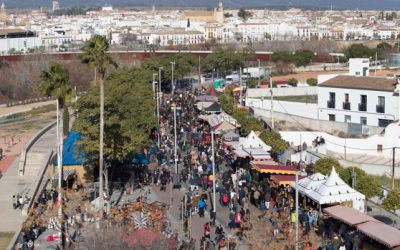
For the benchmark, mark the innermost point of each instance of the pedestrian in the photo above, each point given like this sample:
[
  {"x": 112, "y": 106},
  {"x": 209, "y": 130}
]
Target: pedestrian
[
  {"x": 202, "y": 206},
  {"x": 14, "y": 201},
  {"x": 207, "y": 230}
]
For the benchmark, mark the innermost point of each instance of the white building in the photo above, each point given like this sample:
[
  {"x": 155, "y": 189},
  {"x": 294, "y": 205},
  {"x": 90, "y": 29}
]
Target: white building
[
  {"x": 369, "y": 101},
  {"x": 172, "y": 37}
]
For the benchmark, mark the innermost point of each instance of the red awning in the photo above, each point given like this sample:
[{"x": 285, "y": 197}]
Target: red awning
[
  {"x": 348, "y": 215},
  {"x": 274, "y": 169},
  {"x": 284, "y": 179},
  {"x": 385, "y": 234}
]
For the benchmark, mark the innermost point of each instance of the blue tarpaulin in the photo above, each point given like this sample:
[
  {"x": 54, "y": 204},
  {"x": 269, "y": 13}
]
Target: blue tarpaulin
[
  {"x": 71, "y": 154},
  {"x": 140, "y": 158}
]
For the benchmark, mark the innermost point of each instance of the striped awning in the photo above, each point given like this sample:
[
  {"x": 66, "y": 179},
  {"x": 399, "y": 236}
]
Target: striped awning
[{"x": 274, "y": 169}]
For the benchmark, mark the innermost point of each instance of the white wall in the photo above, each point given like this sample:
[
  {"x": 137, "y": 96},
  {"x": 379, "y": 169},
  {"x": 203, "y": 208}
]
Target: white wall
[
  {"x": 391, "y": 105},
  {"x": 309, "y": 110},
  {"x": 265, "y": 92},
  {"x": 19, "y": 44},
  {"x": 357, "y": 65}
]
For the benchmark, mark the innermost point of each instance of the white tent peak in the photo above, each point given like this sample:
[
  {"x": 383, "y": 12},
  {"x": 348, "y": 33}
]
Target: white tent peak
[{"x": 334, "y": 179}]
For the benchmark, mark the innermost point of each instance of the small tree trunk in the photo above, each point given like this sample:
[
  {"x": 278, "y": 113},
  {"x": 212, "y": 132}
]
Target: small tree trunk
[{"x": 101, "y": 167}]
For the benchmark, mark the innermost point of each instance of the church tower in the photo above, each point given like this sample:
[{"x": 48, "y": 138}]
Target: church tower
[
  {"x": 219, "y": 13},
  {"x": 56, "y": 5},
  {"x": 2, "y": 10}
]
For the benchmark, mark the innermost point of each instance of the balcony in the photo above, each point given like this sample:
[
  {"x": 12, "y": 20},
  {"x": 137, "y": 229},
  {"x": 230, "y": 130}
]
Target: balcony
[
  {"x": 362, "y": 107},
  {"x": 346, "y": 105},
  {"x": 331, "y": 104},
  {"x": 380, "y": 109}
]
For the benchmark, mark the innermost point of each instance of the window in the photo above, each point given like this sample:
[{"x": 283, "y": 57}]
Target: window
[
  {"x": 332, "y": 118},
  {"x": 347, "y": 118},
  {"x": 331, "y": 101},
  {"x": 363, "y": 120},
  {"x": 380, "y": 108},
  {"x": 384, "y": 122},
  {"x": 362, "y": 106},
  {"x": 379, "y": 147},
  {"x": 346, "y": 97}
]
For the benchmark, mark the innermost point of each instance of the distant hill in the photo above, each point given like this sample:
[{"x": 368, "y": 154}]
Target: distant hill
[{"x": 336, "y": 4}]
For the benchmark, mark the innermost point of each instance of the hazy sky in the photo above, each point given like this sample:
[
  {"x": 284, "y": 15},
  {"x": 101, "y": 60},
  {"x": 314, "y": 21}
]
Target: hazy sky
[{"x": 342, "y": 4}]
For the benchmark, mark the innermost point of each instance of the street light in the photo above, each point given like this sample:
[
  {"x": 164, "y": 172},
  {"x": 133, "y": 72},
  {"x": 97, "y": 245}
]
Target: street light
[
  {"x": 156, "y": 96},
  {"x": 159, "y": 79},
  {"x": 172, "y": 76},
  {"x": 213, "y": 172},
  {"x": 174, "y": 108}
]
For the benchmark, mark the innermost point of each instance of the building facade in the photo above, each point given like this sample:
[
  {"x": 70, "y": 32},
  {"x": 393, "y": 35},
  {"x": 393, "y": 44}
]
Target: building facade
[{"x": 368, "y": 101}]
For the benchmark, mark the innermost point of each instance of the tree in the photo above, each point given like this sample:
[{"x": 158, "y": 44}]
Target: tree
[
  {"x": 95, "y": 54},
  {"x": 55, "y": 82},
  {"x": 252, "y": 83},
  {"x": 392, "y": 201},
  {"x": 359, "y": 51},
  {"x": 293, "y": 82},
  {"x": 312, "y": 81},
  {"x": 244, "y": 14},
  {"x": 128, "y": 116},
  {"x": 324, "y": 165},
  {"x": 383, "y": 49},
  {"x": 274, "y": 139},
  {"x": 365, "y": 184},
  {"x": 267, "y": 36},
  {"x": 188, "y": 23}
]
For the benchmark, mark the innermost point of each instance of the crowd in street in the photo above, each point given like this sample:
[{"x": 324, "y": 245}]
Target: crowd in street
[{"x": 241, "y": 192}]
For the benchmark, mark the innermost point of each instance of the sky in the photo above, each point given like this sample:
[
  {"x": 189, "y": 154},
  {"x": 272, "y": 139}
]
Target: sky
[{"x": 336, "y": 4}]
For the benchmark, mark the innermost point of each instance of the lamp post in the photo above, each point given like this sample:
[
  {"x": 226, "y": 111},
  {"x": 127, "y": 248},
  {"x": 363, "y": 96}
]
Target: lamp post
[
  {"x": 297, "y": 208},
  {"x": 172, "y": 77},
  {"x": 259, "y": 72},
  {"x": 174, "y": 108},
  {"x": 160, "y": 68},
  {"x": 213, "y": 171},
  {"x": 156, "y": 96}
]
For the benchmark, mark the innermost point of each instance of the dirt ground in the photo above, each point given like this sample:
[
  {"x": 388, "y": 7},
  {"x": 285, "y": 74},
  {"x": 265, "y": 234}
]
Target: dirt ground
[
  {"x": 7, "y": 110},
  {"x": 15, "y": 134}
]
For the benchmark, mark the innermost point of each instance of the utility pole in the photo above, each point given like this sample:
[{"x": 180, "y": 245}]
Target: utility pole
[
  {"x": 297, "y": 209},
  {"x": 376, "y": 61},
  {"x": 154, "y": 85},
  {"x": 272, "y": 103},
  {"x": 393, "y": 166},
  {"x": 174, "y": 108},
  {"x": 157, "y": 93},
  {"x": 240, "y": 86},
  {"x": 60, "y": 171},
  {"x": 159, "y": 81},
  {"x": 199, "y": 69},
  {"x": 172, "y": 77},
  {"x": 213, "y": 171},
  {"x": 259, "y": 72}
]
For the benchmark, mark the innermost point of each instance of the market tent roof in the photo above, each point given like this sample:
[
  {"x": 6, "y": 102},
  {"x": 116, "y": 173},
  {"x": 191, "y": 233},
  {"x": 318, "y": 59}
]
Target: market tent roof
[
  {"x": 333, "y": 190},
  {"x": 274, "y": 169},
  {"x": 203, "y": 105},
  {"x": 216, "y": 119},
  {"x": 252, "y": 141},
  {"x": 223, "y": 127},
  {"x": 381, "y": 232},
  {"x": 348, "y": 215},
  {"x": 231, "y": 136},
  {"x": 284, "y": 179},
  {"x": 206, "y": 98},
  {"x": 215, "y": 107},
  {"x": 71, "y": 153},
  {"x": 311, "y": 183}
]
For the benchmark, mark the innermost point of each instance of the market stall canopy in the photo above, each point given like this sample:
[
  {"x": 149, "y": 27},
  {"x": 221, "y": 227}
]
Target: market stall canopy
[
  {"x": 310, "y": 183},
  {"x": 332, "y": 190},
  {"x": 348, "y": 215},
  {"x": 283, "y": 179},
  {"x": 224, "y": 127},
  {"x": 252, "y": 146},
  {"x": 206, "y": 98},
  {"x": 213, "y": 108},
  {"x": 385, "y": 234},
  {"x": 231, "y": 136},
  {"x": 72, "y": 155},
  {"x": 216, "y": 119},
  {"x": 274, "y": 168}
]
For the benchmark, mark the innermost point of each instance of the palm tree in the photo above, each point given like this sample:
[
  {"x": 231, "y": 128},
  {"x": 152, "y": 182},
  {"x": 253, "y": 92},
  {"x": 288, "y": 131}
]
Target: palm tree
[
  {"x": 55, "y": 82},
  {"x": 95, "y": 54}
]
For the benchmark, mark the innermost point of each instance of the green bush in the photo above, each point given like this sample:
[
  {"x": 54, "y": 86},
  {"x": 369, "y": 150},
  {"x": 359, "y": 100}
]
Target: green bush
[{"x": 312, "y": 81}]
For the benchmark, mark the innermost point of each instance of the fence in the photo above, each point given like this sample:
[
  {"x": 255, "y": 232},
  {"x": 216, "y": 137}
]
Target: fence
[{"x": 295, "y": 91}]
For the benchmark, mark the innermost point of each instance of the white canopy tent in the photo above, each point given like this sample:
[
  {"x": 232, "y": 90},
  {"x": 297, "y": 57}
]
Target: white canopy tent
[
  {"x": 330, "y": 190},
  {"x": 252, "y": 146}
]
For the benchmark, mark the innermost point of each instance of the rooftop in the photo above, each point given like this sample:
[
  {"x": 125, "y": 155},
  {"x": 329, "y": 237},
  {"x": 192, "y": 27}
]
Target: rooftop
[{"x": 361, "y": 82}]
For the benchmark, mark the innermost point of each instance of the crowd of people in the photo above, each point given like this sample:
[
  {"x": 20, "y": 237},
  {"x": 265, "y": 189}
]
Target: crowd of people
[{"x": 245, "y": 197}]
